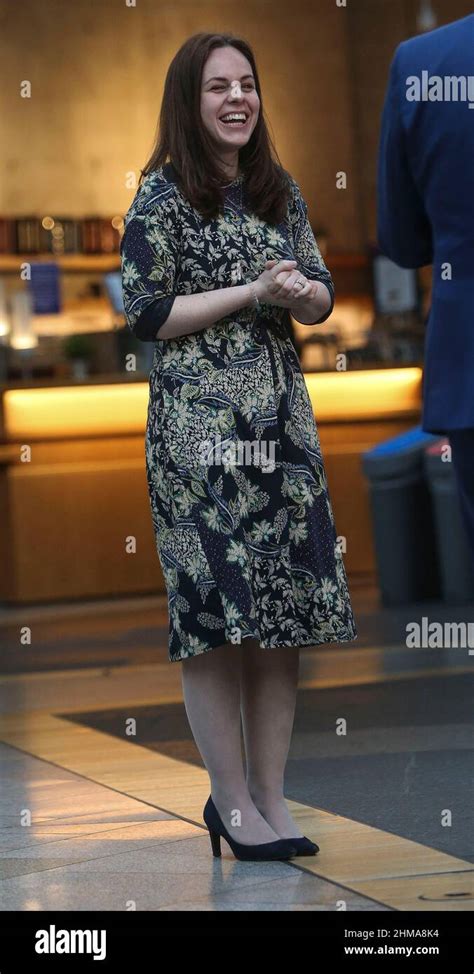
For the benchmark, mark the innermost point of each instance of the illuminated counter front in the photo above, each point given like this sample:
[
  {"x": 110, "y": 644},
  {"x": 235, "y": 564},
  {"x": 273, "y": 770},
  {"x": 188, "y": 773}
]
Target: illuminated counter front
[
  {"x": 73, "y": 492},
  {"x": 75, "y": 412},
  {"x": 364, "y": 395}
]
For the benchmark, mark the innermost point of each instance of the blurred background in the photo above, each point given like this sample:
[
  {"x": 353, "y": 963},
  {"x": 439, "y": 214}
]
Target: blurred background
[{"x": 79, "y": 107}]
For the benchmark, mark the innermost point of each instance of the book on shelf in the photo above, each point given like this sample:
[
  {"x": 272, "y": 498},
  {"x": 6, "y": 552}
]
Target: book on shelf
[{"x": 64, "y": 235}]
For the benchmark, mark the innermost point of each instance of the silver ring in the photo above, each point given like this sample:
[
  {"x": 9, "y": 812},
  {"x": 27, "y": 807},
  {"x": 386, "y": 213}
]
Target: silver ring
[{"x": 298, "y": 283}]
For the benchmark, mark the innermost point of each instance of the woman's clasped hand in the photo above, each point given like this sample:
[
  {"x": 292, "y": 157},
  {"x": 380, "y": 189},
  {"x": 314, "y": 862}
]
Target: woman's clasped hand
[{"x": 281, "y": 284}]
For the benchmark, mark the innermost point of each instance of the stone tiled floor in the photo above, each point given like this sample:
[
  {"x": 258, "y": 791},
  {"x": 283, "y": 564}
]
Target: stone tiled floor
[
  {"x": 91, "y": 821},
  {"x": 118, "y": 850}
]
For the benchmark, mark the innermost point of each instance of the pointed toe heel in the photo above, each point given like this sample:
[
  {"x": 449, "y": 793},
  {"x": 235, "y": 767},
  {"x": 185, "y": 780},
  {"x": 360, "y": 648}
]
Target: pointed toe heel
[
  {"x": 304, "y": 846},
  {"x": 264, "y": 851}
]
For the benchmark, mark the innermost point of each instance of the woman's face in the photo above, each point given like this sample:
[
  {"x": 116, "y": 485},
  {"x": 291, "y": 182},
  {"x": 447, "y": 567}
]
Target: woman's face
[{"x": 228, "y": 86}]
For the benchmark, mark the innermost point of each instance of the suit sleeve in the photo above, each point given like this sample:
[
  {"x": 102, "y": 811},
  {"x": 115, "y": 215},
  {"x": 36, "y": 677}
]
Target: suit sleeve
[
  {"x": 149, "y": 252},
  {"x": 403, "y": 228},
  {"x": 305, "y": 247}
]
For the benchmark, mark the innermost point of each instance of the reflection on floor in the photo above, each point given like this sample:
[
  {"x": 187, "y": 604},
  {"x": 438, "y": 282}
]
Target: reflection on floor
[{"x": 96, "y": 819}]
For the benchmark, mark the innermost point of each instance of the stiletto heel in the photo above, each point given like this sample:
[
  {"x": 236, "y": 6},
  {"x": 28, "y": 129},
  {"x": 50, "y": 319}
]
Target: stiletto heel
[
  {"x": 215, "y": 842},
  {"x": 279, "y": 849}
]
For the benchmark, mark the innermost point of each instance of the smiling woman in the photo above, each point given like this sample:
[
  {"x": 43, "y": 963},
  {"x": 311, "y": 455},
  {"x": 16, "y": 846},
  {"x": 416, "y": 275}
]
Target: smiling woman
[
  {"x": 234, "y": 102},
  {"x": 211, "y": 76},
  {"x": 217, "y": 247}
]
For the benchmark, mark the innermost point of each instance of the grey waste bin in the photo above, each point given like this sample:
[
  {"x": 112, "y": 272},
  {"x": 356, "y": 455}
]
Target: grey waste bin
[
  {"x": 402, "y": 517},
  {"x": 454, "y": 556}
]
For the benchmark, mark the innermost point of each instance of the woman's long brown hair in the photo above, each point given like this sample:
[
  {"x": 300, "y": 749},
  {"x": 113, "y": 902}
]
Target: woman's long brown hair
[{"x": 183, "y": 140}]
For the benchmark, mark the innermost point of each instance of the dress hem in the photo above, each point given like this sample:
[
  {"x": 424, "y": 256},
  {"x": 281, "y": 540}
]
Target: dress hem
[{"x": 312, "y": 642}]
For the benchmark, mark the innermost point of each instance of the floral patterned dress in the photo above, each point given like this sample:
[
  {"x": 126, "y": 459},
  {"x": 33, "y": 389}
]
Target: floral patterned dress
[{"x": 243, "y": 523}]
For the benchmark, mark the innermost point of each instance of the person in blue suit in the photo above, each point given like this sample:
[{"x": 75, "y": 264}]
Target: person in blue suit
[{"x": 426, "y": 216}]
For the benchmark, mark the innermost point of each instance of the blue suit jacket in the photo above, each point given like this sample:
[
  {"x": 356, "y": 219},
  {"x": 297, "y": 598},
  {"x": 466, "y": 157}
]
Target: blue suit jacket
[{"x": 426, "y": 209}]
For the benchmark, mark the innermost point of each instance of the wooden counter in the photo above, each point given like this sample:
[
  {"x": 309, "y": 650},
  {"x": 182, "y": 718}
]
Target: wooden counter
[{"x": 73, "y": 493}]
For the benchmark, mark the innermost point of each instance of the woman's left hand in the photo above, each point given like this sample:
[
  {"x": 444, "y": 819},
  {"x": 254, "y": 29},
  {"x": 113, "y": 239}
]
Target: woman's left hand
[{"x": 284, "y": 289}]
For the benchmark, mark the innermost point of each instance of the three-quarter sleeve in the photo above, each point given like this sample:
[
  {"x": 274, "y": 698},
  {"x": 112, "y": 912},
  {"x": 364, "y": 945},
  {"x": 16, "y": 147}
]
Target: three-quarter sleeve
[
  {"x": 305, "y": 247},
  {"x": 149, "y": 252}
]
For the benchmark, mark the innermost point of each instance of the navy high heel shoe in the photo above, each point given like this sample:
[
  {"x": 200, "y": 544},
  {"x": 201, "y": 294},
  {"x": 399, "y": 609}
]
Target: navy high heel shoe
[
  {"x": 278, "y": 849},
  {"x": 304, "y": 846}
]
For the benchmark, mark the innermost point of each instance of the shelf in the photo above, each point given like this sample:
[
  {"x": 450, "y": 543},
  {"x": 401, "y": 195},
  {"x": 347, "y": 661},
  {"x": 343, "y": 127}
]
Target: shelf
[{"x": 72, "y": 263}]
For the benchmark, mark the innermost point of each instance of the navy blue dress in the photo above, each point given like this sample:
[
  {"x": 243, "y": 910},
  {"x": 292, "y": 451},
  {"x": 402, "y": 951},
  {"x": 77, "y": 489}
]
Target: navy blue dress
[{"x": 243, "y": 523}]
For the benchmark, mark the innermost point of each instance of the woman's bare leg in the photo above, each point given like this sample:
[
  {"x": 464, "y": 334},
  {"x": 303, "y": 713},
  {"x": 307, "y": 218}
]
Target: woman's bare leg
[
  {"x": 269, "y": 680},
  {"x": 211, "y": 690}
]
